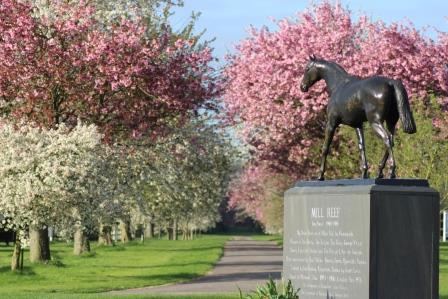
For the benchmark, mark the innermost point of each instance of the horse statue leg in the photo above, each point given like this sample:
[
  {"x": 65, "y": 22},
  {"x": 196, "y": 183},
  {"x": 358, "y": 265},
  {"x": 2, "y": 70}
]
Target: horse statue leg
[
  {"x": 391, "y": 122},
  {"x": 362, "y": 150},
  {"x": 380, "y": 174},
  {"x": 329, "y": 133},
  {"x": 388, "y": 141}
]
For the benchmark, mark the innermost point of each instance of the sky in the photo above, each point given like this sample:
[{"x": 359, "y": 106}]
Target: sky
[{"x": 228, "y": 20}]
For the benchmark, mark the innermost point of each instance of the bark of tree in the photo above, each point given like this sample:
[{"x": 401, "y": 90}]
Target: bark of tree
[
  {"x": 105, "y": 236},
  {"x": 16, "y": 254},
  {"x": 81, "y": 243},
  {"x": 169, "y": 233},
  {"x": 185, "y": 231},
  {"x": 149, "y": 230},
  {"x": 125, "y": 228},
  {"x": 39, "y": 245},
  {"x": 175, "y": 229}
]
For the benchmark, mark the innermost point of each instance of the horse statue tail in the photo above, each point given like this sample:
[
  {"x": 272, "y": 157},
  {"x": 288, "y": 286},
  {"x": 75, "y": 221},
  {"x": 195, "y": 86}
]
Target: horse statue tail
[{"x": 404, "y": 110}]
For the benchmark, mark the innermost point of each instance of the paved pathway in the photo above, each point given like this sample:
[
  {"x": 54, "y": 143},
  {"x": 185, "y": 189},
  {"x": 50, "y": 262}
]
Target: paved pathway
[{"x": 245, "y": 264}]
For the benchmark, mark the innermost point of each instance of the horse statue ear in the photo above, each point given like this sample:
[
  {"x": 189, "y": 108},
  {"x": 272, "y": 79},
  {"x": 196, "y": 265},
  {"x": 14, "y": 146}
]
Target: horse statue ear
[{"x": 312, "y": 57}]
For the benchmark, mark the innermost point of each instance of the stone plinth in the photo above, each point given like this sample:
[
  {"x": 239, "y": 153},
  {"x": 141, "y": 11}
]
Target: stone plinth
[{"x": 362, "y": 239}]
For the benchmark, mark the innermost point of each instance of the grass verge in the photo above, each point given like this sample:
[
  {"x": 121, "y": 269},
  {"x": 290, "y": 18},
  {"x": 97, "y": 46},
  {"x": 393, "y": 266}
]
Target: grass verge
[
  {"x": 102, "y": 296},
  {"x": 155, "y": 262},
  {"x": 276, "y": 238},
  {"x": 443, "y": 271}
]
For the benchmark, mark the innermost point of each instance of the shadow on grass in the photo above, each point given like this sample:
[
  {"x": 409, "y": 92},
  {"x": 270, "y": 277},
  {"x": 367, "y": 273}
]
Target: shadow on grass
[
  {"x": 26, "y": 271},
  {"x": 154, "y": 280},
  {"x": 56, "y": 260},
  {"x": 188, "y": 277},
  {"x": 170, "y": 265},
  {"x": 266, "y": 254},
  {"x": 111, "y": 247},
  {"x": 57, "y": 263},
  {"x": 174, "y": 265},
  {"x": 263, "y": 248},
  {"x": 254, "y": 263},
  {"x": 173, "y": 277},
  {"x": 88, "y": 255},
  {"x": 238, "y": 277},
  {"x": 99, "y": 296},
  {"x": 190, "y": 249}
]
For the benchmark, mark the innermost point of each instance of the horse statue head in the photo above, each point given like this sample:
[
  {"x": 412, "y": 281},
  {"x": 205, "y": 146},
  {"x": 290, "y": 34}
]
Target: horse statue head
[{"x": 311, "y": 75}]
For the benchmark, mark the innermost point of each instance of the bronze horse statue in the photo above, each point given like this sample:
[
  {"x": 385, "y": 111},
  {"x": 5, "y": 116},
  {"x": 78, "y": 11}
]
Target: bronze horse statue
[{"x": 355, "y": 100}]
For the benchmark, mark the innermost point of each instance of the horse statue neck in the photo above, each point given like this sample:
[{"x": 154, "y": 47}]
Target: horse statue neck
[{"x": 333, "y": 74}]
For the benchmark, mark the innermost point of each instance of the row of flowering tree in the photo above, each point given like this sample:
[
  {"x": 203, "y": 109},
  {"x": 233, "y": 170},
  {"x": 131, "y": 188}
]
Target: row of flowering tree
[
  {"x": 117, "y": 65},
  {"x": 282, "y": 126},
  {"x": 69, "y": 180},
  {"x": 191, "y": 180}
]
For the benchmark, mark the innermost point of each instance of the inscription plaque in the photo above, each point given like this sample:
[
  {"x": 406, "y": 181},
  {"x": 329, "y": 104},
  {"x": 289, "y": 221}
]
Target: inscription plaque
[{"x": 331, "y": 247}]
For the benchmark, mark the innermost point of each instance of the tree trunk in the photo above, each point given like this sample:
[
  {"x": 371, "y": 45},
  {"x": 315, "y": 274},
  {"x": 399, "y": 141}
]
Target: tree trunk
[
  {"x": 39, "y": 245},
  {"x": 175, "y": 229},
  {"x": 149, "y": 230},
  {"x": 81, "y": 243},
  {"x": 105, "y": 236},
  {"x": 125, "y": 228},
  {"x": 169, "y": 233},
  {"x": 16, "y": 254},
  {"x": 185, "y": 231}
]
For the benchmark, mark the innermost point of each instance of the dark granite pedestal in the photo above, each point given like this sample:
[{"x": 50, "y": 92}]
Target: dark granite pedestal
[{"x": 362, "y": 239}]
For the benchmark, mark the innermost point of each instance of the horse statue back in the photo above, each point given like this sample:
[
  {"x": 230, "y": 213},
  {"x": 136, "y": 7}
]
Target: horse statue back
[{"x": 355, "y": 100}]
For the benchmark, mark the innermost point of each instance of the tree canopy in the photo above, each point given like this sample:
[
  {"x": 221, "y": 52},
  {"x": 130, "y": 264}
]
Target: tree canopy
[{"x": 282, "y": 126}]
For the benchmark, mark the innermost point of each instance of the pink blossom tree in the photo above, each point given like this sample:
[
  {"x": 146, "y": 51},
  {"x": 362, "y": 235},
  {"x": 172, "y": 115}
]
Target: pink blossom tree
[
  {"x": 69, "y": 66},
  {"x": 256, "y": 191},
  {"x": 261, "y": 81},
  {"x": 60, "y": 63}
]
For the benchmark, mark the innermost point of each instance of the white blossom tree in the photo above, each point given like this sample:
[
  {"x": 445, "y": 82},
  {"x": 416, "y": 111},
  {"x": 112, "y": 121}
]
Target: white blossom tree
[
  {"x": 50, "y": 178},
  {"x": 187, "y": 177}
]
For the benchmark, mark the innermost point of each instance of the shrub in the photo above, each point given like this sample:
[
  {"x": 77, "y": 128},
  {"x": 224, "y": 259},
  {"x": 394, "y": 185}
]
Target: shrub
[{"x": 271, "y": 290}]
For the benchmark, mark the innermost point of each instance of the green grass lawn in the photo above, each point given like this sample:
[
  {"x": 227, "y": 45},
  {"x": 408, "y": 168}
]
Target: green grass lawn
[
  {"x": 443, "y": 271},
  {"x": 276, "y": 238},
  {"x": 156, "y": 262}
]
